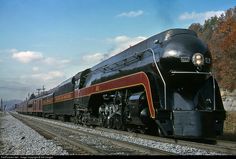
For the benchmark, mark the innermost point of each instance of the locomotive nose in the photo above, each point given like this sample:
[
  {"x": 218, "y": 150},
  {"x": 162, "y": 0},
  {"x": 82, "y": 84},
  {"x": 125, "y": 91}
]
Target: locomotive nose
[{"x": 185, "y": 52}]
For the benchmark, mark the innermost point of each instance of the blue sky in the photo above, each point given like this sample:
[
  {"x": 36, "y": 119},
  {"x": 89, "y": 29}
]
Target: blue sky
[{"x": 43, "y": 42}]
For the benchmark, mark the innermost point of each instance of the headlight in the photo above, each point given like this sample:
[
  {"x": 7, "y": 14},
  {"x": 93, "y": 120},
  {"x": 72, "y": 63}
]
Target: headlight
[{"x": 198, "y": 59}]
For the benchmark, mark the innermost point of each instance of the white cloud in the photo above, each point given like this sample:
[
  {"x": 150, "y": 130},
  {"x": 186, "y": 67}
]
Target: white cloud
[
  {"x": 30, "y": 56},
  {"x": 123, "y": 42},
  {"x": 131, "y": 14},
  {"x": 35, "y": 69},
  {"x": 120, "y": 43},
  {"x": 37, "y": 79},
  {"x": 27, "y": 56},
  {"x": 53, "y": 61},
  {"x": 120, "y": 39},
  {"x": 93, "y": 58},
  {"x": 12, "y": 50},
  {"x": 52, "y": 75},
  {"x": 42, "y": 69},
  {"x": 200, "y": 17}
]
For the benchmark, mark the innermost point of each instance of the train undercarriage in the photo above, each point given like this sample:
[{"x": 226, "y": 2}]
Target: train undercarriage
[
  {"x": 122, "y": 110},
  {"x": 128, "y": 110}
]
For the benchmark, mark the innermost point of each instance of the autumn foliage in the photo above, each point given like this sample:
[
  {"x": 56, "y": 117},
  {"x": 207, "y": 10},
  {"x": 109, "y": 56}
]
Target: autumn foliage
[{"x": 220, "y": 35}]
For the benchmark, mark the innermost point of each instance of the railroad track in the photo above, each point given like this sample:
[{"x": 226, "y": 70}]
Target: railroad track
[
  {"x": 222, "y": 146},
  {"x": 79, "y": 142}
]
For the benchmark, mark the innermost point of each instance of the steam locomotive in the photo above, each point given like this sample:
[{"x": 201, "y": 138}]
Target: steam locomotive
[{"x": 162, "y": 85}]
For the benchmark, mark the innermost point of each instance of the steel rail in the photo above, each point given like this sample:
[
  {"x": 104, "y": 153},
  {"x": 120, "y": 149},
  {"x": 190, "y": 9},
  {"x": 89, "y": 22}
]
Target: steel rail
[{"x": 140, "y": 150}]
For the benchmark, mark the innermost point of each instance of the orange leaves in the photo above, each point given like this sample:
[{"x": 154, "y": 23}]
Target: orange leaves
[{"x": 220, "y": 35}]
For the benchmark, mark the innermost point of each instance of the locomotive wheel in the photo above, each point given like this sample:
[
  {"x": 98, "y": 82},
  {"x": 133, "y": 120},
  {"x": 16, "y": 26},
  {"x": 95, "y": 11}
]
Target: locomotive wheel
[
  {"x": 76, "y": 120},
  {"x": 118, "y": 122},
  {"x": 103, "y": 121},
  {"x": 106, "y": 124},
  {"x": 110, "y": 123},
  {"x": 159, "y": 133}
]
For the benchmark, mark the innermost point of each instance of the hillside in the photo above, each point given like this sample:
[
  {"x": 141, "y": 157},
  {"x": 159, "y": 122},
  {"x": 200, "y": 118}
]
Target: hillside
[{"x": 220, "y": 35}]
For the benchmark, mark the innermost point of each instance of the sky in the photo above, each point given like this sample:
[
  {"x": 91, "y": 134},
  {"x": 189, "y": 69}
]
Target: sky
[{"x": 44, "y": 42}]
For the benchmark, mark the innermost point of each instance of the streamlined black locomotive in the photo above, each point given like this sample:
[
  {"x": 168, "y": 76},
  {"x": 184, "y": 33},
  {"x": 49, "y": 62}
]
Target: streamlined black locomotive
[{"x": 162, "y": 85}]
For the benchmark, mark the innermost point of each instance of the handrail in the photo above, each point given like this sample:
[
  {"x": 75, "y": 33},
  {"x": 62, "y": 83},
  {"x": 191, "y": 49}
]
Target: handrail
[
  {"x": 154, "y": 59},
  {"x": 190, "y": 72},
  {"x": 214, "y": 90}
]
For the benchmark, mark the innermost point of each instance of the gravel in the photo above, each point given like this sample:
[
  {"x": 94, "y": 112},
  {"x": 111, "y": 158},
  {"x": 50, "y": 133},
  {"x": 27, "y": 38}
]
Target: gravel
[
  {"x": 174, "y": 148},
  {"x": 19, "y": 139}
]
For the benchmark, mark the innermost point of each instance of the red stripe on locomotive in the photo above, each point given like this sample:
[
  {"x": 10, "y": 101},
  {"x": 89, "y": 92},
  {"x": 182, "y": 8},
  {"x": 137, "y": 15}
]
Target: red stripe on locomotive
[{"x": 139, "y": 78}]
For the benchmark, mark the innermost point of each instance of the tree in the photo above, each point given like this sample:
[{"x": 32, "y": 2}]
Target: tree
[{"x": 220, "y": 35}]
